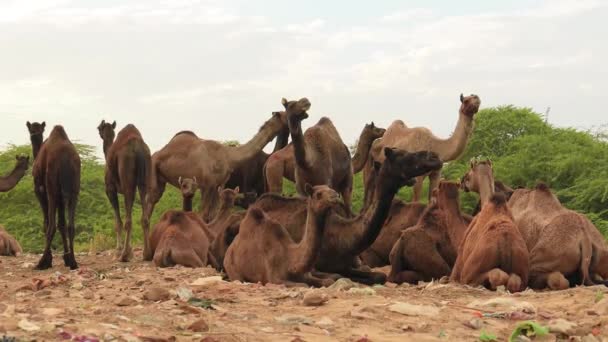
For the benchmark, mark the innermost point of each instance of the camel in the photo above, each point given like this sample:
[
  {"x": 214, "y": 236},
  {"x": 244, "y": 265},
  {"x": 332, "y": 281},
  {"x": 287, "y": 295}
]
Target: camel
[
  {"x": 10, "y": 181},
  {"x": 493, "y": 252},
  {"x": 36, "y": 131},
  {"x": 480, "y": 179},
  {"x": 225, "y": 226},
  {"x": 420, "y": 138},
  {"x": 128, "y": 165},
  {"x": 263, "y": 251},
  {"x": 281, "y": 164},
  {"x": 565, "y": 247},
  {"x": 8, "y": 244},
  {"x": 428, "y": 250},
  {"x": 211, "y": 162},
  {"x": 188, "y": 187},
  {"x": 181, "y": 238},
  {"x": 56, "y": 173}
]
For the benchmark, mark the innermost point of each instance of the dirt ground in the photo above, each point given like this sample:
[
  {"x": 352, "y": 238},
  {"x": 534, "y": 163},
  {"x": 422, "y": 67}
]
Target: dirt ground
[{"x": 105, "y": 300}]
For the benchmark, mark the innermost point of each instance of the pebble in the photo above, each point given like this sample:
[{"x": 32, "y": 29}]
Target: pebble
[
  {"x": 199, "y": 326},
  {"x": 474, "y": 324},
  {"x": 343, "y": 284},
  {"x": 562, "y": 326},
  {"x": 413, "y": 309},
  {"x": 157, "y": 294},
  {"x": 314, "y": 298},
  {"x": 325, "y": 322},
  {"x": 126, "y": 301}
]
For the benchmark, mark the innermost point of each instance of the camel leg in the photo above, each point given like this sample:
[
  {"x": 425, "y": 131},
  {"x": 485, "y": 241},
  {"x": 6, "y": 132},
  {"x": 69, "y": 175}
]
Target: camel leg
[
  {"x": 61, "y": 226},
  {"x": 311, "y": 280},
  {"x": 364, "y": 277},
  {"x": 325, "y": 275},
  {"x": 46, "y": 261},
  {"x": 552, "y": 280},
  {"x": 209, "y": 200},
  {"x": 433, "y": 182},
  {"x": 127, "y": 253},
  {"x": 418, "y": 189},
  {"x": 71, "y": 229},
  {"x": 146, "y": 229},
  {"x": 112, "y": 194},
  {"x": 410, "y": 277},
  {"x": 153, "y": 195}
]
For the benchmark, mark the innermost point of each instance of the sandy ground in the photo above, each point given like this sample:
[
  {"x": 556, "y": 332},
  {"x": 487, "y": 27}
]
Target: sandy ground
[{"x": 106, "y": 300}]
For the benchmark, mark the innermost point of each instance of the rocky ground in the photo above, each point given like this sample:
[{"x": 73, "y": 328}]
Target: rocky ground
[{"x": 111, "y": 301}]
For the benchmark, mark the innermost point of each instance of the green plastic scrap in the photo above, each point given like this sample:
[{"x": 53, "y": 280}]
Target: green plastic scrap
[
  {"x": 528, "y": 329},
  {"x": 487, "y": 337}
]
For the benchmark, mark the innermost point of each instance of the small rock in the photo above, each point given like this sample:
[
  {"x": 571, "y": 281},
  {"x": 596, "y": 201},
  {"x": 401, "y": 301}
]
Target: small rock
[
  {"x": 26, "y": 325},
  {"x": 367, "y": 291},
  {"x": 206, "y": 281},
  {"x": 314, "y": 298},
  {"x": 406, "y": 327},
  {"x": 474, "y": 324},
  {"x": 267, "y": 329},
  {"x": 590, "y": 338},
  {"x": 343, "y": 284},
  {"x": 601, "y": 307},
  {"x": 365, "y": 312},
  {"x": 108, "y": 337},
  {"x": 51, "y": 311},
  {"x": 88, "y": 295},
  {"x": 561, "y": 326},
  {"x": 199, "y": 326},
  {"x": 522, "y": 338},
  {"x": 390, "y": 285},
  {"x": 413, "y": 310},
  {"x": 126, "y": 301},
  {"x": 157, "y": 294},
  {"x": 77, "y": 286},
  {"x": 169, "y": 279},
  {"x": 325, "y": 322},
  {"x": 184, "y": 294},
  {"x": 293, "y": 319}
]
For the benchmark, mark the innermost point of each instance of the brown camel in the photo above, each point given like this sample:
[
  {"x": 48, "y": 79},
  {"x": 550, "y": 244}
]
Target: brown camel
[
  {"x": 225, "y": 226},
  {"x": 181, "y": 238},
  {"x": 420, "y": 138},
  {"x": 8, "y": 244},
  {"x": 263, "y": 251},
  {"x": 428, "y": 250},
  {"x": 9, "y": 182},
  {"x": 480, "y": 179},
  {"x": 565, "y": 248},
  {"x": 493, "y": 252},
  {"x": 188, "y": 187},
  {"x": 56, "y": 173},
  {"x": 211, "y": 162},
  {"x": 281, "y": 164},
  {"x": 128, "y": 168},
  {"x": 36, "y": 131}
]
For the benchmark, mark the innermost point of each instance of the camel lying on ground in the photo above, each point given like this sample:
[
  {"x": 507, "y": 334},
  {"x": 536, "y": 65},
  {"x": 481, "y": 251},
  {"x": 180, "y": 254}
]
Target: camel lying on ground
[
  {"x": 188, "y": 187},
  {"x": 8, "y": 244},
  {"x": 429, "y": 249},
  {"x": 565, "y": 247},
  {"x": 128, "y": 169},
  {"x": 421, "y": 138},
  {"x": 10, "y": 181},
  {"x": 281, "y": 164},
  {"x": 263, "y": 251},
  {"x": 493, "y": 252},
  {"x": 480, "y": 179}
]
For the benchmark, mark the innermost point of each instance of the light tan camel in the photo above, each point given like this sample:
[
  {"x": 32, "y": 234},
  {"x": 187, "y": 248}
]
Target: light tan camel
[{"x": 8, "y": 244}]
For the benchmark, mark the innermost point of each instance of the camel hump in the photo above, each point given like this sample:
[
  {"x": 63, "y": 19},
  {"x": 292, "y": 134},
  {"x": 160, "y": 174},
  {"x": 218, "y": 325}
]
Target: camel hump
[
  {"x": 542, "y": 186},
  {"x": 58, "y": 132},
  {"x": 256, "y": 213},
  {"x": 498, "y": 199},
  {"x": 325, "y": 120},
  {"x": 176, "y": 217},
  {"x": 185, "y": 132}
]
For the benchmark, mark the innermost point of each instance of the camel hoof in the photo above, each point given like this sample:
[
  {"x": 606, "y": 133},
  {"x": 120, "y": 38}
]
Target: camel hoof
[
  {"x": 44, "y": 263},
  {"x": 126, "y": 256}
]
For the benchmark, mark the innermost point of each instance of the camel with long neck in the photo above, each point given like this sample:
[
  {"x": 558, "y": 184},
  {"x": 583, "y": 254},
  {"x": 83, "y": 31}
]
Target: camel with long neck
[
  {"x": 493, "y": 252},
  {"x": 421, "y": 138},
  {"x": 36, "y": 131},
  {"x": 9, "y": 181},
  {"x": 480, "y": 179},
  {"x": 211, "y": 162},
  {"x": 225, "y": 226},
  {"x": 128, "y": 169},
  {"x": 429, "y": 249},
  {"x": 9, "y": 246},
  {"x": 188, "y": 188},
  {"x": 281, "y": 164},
  {"x": 263, "y": 251},
  {"x": 56, "y": 173},
  {"x": 565, "y": 247}
]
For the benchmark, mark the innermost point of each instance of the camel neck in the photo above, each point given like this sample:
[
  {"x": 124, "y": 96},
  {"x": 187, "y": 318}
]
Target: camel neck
[
  {"x": 455, "y": 224},
  {"x": 223, "y": 213},
  {"x": 10, "y": 181},
  {"x": 306, "y": 251},
  {"x": 486, "y": 188},
  {"x": 452, "y": 147},
  {"x": 107, "y": 143},
  {"x": 299, "y": 144},
  {"x": 362, "y": 153},
  {"x": 36, "y": 144},
  {"x": 241, "y": 154},
  {"x": 187, "y": 203},
  {"x": 282, "y": 140}
]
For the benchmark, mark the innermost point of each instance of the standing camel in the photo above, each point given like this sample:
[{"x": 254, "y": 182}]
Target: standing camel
[
  {"x": 10, "y": 181},
  {"x": 321, "y": 156},
  {"x": 128, "y": 165},
  {"x": 56, "y": 172},
  {"x": 36, "y": 131},
  {"x": 422, "y": 139}
]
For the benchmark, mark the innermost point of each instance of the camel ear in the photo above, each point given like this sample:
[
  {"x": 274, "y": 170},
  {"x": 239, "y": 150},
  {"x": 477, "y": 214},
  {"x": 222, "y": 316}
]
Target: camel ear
[
  {"x": 43, "y": 124},
  {"x": 308, "y": 189},
  {"x": 114, "y": 124},
  {"x": 461, "y": 98},
  {"x": 373, "y": 125},
  {"x": 28, "y": 124},
  {"x": 472, "y": 163},
  {"x": 389, "y": 153},
  {"x": 102, "y": 122},
  {"x": 179, "y": 180},
  {"x": 237, "y": 189},
  {"x": 284, "y": 102}
]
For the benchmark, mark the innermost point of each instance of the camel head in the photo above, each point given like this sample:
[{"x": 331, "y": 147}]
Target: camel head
[
  {"x": 372, "y": 132},
  {"x": 296, "y": 110},
  {"x": 469, "y": 105},
  {"x": 36, "y": 129},
  {"x": 321, "y": 197},
  {"x": 447, "y": 190},
  {"x": 22, "y": 161},
  {"x": 478, "y": 170},
  {"x": 106, "y": 130},
  {"x": 403, "y": 167},
  {"x": 187, "y": 186},
  {"x": 229, "y": 196}
]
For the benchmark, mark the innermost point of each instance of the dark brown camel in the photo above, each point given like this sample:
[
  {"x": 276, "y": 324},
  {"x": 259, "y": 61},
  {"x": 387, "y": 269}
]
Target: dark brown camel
[
  {"x": 56, "y": 173},
  {"x": 321, "y": 156},
  {"x": 8, "y": 244},
  {"x": 493, "y": 252},
  {"x": 211, "y": 162},
  {"x": 428, "y": 250},
  {"x": 128, "y": 169},
  {"x": 36, "y": 131},
  {"x": 281, "y": 164},
  {"x": 263, "y": 251},
  {"x": 10, "y": 181}
]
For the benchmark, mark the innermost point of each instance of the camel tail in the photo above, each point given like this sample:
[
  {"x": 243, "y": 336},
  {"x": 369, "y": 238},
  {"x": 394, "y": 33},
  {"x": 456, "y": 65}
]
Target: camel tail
[
  {"x": 69, "y": 182},
  {"x": 586, "y": 248},
  {"x": 142, "y": 169}
]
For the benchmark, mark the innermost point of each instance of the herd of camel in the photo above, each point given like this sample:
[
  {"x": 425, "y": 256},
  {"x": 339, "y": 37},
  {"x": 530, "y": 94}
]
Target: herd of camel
[{"x": 517, "y": 238}]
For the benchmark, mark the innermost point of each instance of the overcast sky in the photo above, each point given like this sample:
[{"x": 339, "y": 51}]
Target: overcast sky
[{"x": 220, "y": 68}]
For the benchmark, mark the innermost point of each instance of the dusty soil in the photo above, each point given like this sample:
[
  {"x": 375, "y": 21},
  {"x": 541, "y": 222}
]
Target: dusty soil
[{"x": 107, "y": 300}]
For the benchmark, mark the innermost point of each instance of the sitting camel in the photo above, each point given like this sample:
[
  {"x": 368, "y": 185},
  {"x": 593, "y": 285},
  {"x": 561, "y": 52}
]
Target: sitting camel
[
  {"x": 428, "y": 250},
  {"x": 480, "y": 179},
  {"x": 493, "y": 252},
  {"x": 10, "y": 181},
  {"x": 8, "y": 244},
  {"x": 321, "y": 156},
  {"x": 281, "y": 164},
  {"x": 565, "y": 247},
  {"x": 263, "y": 251},
  {"x": 420, "y": 138},
  {"x": 188, "y": 187},
  {"x": 181, "y": 238}
]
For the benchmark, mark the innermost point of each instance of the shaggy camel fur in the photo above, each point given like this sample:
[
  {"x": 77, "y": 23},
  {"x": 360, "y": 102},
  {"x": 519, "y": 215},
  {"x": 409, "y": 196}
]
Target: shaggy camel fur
[
  {"x": 281, "y": 164},
  {"x": 181, "y": 238},
  {"x": 480, "y": 179},
  {"x": 321, "y": 156},
  {"x": 211, "y": 162},
  {"x": 428, "y": 250},
  {"x": 420, "y": 138},
  {"x": 10, "y": 181},
  {"x": 8, "y": 245},
  {"x": 56, "y": 173},
  {"x": 263, "y": 251},
  {"x": 36, "y": 131},
  {"x": 128, "y": 169},
  {"x": 493, "y": 252},
  {"x": 565, "y": 248}
]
